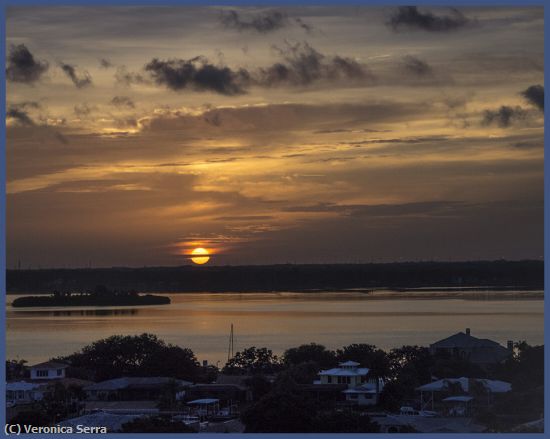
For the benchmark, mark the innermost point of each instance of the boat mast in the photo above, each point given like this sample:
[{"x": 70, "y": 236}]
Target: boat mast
[{"x": 231, "y": 347}]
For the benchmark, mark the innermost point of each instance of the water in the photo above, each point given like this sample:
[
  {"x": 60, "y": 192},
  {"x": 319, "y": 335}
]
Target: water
[{"x": 278, "y": 321}]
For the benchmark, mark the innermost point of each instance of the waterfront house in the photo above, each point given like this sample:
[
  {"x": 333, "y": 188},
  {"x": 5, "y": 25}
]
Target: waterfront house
[
  {"x": 50, "y": 370},
  {"x": 480, "y": 351},
  {"x": 360, "y": 386},
  {"x": 458, "y": 396},
  {"x": 23, "y": 392},
  {"x": 133, "y": 389}
]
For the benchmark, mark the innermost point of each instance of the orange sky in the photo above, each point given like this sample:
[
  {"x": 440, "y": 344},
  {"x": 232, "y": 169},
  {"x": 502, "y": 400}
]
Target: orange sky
[{"x": 314, "y": 134}]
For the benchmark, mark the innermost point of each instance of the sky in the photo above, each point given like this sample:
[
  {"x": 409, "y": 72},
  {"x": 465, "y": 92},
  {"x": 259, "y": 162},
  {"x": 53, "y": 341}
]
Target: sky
[{"x": 273, "y": 135}]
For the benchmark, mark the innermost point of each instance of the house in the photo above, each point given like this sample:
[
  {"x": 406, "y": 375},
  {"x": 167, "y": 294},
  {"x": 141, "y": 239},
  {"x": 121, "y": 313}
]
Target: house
[
  {"x": 112, "y": 422},
  {"x": 227, "y": 388},
  {"x": 133, "y": 388},
  {"x": 50, "y": 370},
  {"x": 456, "y": 396},
  {"x": 23, "y": 392},
  {"x": 480, "y": 351},
  {"x": 360, "y": 386}
]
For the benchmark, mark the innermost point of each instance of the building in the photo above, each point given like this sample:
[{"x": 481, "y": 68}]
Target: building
[
  {"x": 23, "y": 392},
  {"x": 133, "y": 389},
  {"x": 480, "y": 351},
  {"x": 360, "y": 386},
  {"x": 50, "y": 370},
  {"x": 458, "y": 396},
  {"x": 227, "y": 388}
]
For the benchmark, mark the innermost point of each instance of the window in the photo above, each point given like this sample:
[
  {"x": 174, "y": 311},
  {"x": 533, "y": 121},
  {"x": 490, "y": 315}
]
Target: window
[
  {"x": 59, "y": 372},
  {"x": 330, "y": 380},
  {"x": 42, "y": 373}
]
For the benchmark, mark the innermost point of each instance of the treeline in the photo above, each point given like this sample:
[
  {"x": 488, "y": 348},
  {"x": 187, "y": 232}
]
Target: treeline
[{"x": 499, "y": 274}]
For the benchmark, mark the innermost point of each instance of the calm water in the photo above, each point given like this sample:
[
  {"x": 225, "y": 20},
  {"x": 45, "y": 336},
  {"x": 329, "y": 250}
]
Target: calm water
[{"x": 276, "y": 320}]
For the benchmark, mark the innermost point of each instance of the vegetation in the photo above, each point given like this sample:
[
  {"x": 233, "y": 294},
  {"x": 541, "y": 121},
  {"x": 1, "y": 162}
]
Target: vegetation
[
  {"x": 282, "y": 401},
  {"x": 139, "y": 355},
  {"x": 499, "y": 274},
  {"x": 101, "y": 296},
  {"x": 253, "y": 361}
]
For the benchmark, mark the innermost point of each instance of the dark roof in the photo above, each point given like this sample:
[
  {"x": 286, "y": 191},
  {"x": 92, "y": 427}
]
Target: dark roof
[
  {"x": 462, "y": 340},
  {"x": 50, "y": 365},
  {"x": 134, "y": 383}
]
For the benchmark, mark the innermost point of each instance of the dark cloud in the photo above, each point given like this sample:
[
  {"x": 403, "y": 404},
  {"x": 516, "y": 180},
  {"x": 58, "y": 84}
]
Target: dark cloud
[
  {"x": 308, "y": 28},
  {"x": 124, "y": 77},
  {"x": 263, "y": 22},
  {"x": 535, "y": 96},
  {"x": 122, "y": 101},
  {"x": 303, "y": 65},
  {"x": 504, "y": 116},
  {"x": 410, "y": 17},
  {"x": 528, "y": 144},
  {"x": 104, "y": 63},
  {"x": 83, "y": 110},
  {"x": 197, "y": 74},
  {"x": 398, "y": 209},
  {"x": 20, "y": 116},
  {"x": 416, "y": 66},
  {"x": 23, "y": 67},
  {"x": 347, "y": 130},
  {"x": 245, "y": 218},
  {"x": 80, "y": 80}
]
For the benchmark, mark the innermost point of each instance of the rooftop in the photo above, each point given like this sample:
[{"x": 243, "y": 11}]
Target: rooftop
[
  {"x": 342, "y": 371},
  {"x": 494, "y": 386},
  {"x": 113, "y": 422},
  {"x": 464, "y": 340},
  {"x": 50, "y": 365},
  {"x": 134, "y": 383}
]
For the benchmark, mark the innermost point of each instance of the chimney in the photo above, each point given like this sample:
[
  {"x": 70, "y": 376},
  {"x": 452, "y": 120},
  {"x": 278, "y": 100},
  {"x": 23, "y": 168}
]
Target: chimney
[
  {"x": 204, "y": 363},
  {"x": 510, "y": 345},
  {"x": 467, "y": 331}
]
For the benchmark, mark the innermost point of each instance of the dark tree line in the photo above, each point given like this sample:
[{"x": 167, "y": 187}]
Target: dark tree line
[{"x": 519, "y": 274}]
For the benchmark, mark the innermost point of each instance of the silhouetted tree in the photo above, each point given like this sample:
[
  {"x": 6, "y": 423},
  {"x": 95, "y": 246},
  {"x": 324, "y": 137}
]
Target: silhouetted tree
[
  {"x": 140, "y": 355},
  {"x": 312, "y": 352},
  {"x": 253, "y": 361}
]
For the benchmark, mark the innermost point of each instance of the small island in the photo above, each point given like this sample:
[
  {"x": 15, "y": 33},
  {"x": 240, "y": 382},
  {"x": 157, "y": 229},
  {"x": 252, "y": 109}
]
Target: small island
[{"x": 101, "y": 296}]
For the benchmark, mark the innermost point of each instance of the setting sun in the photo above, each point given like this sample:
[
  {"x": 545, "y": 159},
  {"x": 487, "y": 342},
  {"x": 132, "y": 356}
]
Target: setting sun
[{"x": 203, "y": 258}]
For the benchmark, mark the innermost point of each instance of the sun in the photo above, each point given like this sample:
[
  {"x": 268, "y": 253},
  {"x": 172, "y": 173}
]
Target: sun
[{"x": 203, "y": 258}]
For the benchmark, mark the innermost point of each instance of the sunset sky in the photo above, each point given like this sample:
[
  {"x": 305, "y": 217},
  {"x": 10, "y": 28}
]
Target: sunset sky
[{"x": 273, "y": 135}]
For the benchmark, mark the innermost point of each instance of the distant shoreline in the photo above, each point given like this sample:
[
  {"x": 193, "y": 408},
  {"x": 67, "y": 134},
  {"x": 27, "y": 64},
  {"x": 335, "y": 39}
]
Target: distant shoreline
[{"x": 381, "y": 293}]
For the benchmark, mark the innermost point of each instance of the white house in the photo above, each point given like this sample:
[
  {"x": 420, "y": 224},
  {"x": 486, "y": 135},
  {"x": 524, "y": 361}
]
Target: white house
[
  {"x": 361, "y": 386},
  {"x": 22, "y": 392},
  {"x": 49, "y": 370}
]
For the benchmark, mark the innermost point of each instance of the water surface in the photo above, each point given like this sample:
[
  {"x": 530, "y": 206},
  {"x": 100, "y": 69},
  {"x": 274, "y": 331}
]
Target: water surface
[{"x": 201, "y": 321}]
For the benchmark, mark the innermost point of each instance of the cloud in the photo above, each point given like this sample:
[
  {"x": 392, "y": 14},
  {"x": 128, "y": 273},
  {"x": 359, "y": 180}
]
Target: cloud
[
  {"x": 535, "y": 96},
  {"x": 416, "y": 66},
  {"x": 80, "y": 80},
  {"x": 124, "y": 77},
  {"x": 83, "y": 110},
  {"x": 263, "y": 22},
  {"x": 279, "y": 119},
  {"x": 197, "y": 74},
  {"x": 410, "y": 17},
  {"x": 104, "y": 63},
  {"x": 308, "y": 28},
  {"x": 397, "y": 209},
  {"x": 504, "y": 116},
  {"x": 122, "y": 101},
  {"x": 303, "y": 65},
  {"x": 23, "y": 67},
  {"x": 20, "y": 116}
]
